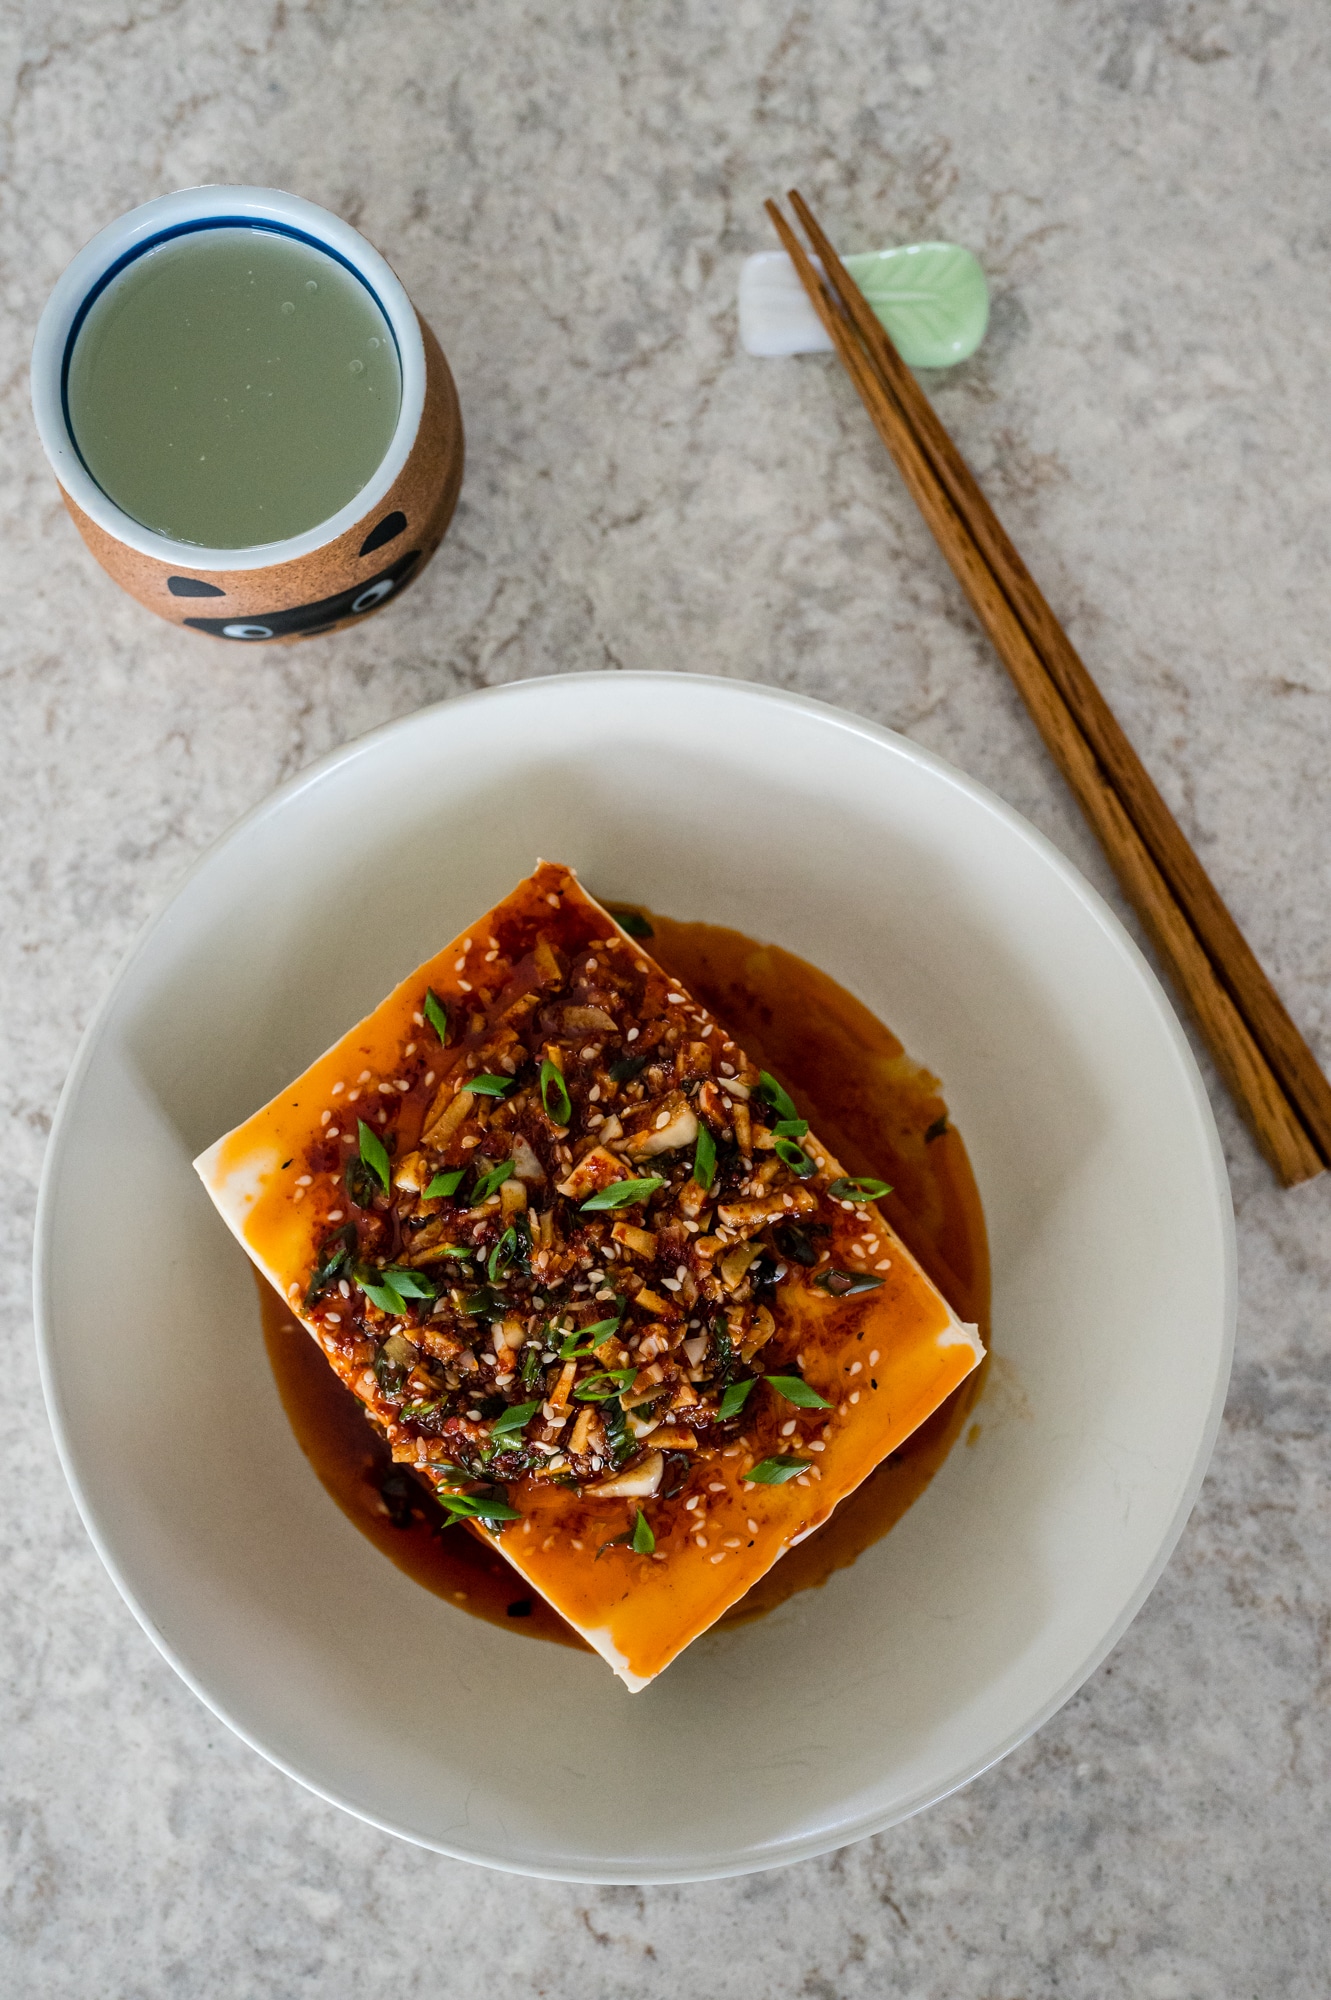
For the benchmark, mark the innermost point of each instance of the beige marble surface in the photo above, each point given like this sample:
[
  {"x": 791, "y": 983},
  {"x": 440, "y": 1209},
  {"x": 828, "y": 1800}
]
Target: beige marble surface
[{"x": 567, "y": 193}]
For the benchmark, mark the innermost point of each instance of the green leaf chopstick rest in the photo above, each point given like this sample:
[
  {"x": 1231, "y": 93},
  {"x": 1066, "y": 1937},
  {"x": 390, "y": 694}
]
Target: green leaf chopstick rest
[{"x": 931, "y": 297}]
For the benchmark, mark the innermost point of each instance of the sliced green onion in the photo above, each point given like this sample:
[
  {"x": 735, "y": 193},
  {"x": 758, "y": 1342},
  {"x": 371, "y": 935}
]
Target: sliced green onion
[
  {"x": 704, "y": 1157},
  {"x": 633, "y": 922},
  {"x": 473, "y": 1506},
  {"x": 488, "y": 1086},
  {"x": 618, "y": 1378},
  {"x": 776, "y": 1471},
  {"x": 626, "y": 1068},
  {"x": 845, "y": 1284},
  {"x": 644, "y": 1541},
  {"x": 780, "y": 1101},
  {"x": 490, "y": 1182},
  {"x": 444, "y": 1184},
  {"x": 409, "y": 1284},
  {"x": 560, "y": 1112},
  {"x": 796, "y": 1390},
  {"x": 623, "y": 1194},
  {"x": 586, "y": 1339},
  {"x": 503, "y": 1256},
  {"x": 386, "y": 1296},
  {"x": 858, "y": 1187},
  {"x": 736, "y": 1396},
  {"x": 436, "y": 1013},
  {"x": 515, "y": 1419},
  {"x": 373, "y": 1153},
  {"x": 795, "y": 1158},
  {"x": 790, "y": 1128}
]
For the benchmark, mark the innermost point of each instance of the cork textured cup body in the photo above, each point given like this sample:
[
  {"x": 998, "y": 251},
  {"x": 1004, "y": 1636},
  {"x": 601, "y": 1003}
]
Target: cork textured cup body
[{"x": 331, "y": 574}]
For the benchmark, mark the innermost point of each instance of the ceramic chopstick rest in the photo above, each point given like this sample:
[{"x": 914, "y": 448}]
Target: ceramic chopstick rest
[{"x": 931, "y": 297}]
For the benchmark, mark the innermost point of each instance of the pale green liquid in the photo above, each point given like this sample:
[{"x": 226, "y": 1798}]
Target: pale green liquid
[{"x": 233, "y": 387}]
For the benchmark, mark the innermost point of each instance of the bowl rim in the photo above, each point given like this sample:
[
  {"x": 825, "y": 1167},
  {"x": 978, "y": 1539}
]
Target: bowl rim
[{"x": 824, "y": 1840}]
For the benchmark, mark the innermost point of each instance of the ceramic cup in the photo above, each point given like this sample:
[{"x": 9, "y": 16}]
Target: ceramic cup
[{"x": 333, "y": 574}]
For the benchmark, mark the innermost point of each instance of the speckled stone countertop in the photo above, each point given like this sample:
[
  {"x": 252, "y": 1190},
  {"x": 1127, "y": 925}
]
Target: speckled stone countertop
[{"x": 567, "y": 193}]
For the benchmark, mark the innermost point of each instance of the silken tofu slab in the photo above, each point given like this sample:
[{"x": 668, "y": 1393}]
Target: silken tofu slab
[{"x": 540, "y": 1213}]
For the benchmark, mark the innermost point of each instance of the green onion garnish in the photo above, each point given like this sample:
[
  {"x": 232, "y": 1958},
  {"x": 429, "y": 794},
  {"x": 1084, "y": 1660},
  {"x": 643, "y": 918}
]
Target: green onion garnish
[
  {"x": 385, "y": 1296},
  {"x": 790, "y": 1128},
  {"x": 489, "y": 1086},
  {"x": 373, "y": 1153},
  {"x": 704, "y": 1157},
  {"x": 436, "y": 1013},
  {"x": 490, "y": 1182},
  {"x": 796, "y": 1390},
  {"x": 586, "y": 1339},
  {"x": 858, "y": 1187},
  {"x": 633, "y": 922},
  {"x": 409, "y": 1284},
  {"x": 795, "y": 1158},
  {"x": 503, "y": 1256},
  {"x": 473, "y": 1506},
  {"x": 780, "y": 1102},
  {"x": 644, "y": 1541},
  {"x": 776, "y": 1471},
  {"x": 623, "y": 1194},
  {"x": 560, "y": 1112},
  {"x": 515, "y": 1419},
  {"x": 736, "y": 1396},
  {"x": 618, "y": 1378},
  {"x": 444, "y": 1184}
]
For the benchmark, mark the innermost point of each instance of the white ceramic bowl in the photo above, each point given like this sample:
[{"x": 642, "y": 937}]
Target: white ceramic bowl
[{"x": 1108, "y": 1210}]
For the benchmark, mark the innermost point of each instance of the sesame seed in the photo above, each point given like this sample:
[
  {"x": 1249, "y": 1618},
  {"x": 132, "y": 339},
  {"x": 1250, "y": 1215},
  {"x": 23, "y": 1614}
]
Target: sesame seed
[
  {"x": 471, "y": 1140},
  {"x": 466, "y": 944},
  {"x": 788, "y": 1430},
  {"x": 490, "y": 958},
  {"x": 818, "y": 1445},
  {"x": 553, "y": 901},
  {"x": 885, "y": 1265},
  {"x": 352, "y": 1096},
  {"x": 856, "y": 1368},
  {"x": 873, "y": 1356},
  {"x": 324, "y": 1117},
  {"x": 334, "y": 1215},
  {"x": 717, "y": 1486},
  {"x": 293, "y": 1291},
  {"x": 727, "y": 1069},
  {"x": 411, "y": 1048},
  {"x": 753, "y": 1527},
  {"x": 692, "y": 1501},
  {"x": 334, "y": 1319},
  {"x": 588, "y": 1052},
  {"x": 632, "y": 1035},
  {"x": 342, "y": 1286},
  {"x": 305, "y": 1180},
  {"x": 671, "y": 1284},
  {"x": 732, "y": 1542},
  {"x": 591, "y": 965},
  {"x": 701, "y": 1540},
  {"x": 429, "y": 1078},
  {"x": 675, "y": 999},
  {"x": 855, "y": 1396},
  {"x": 337, "y": 1089},
  {"x": 464, "y": 986},
  {"x": 385, "y": 1089},
  {"x": 594, "y": 1094},
  {"x": 459, "y": 965},
  {"x": 364, "y": 1076},
  {"x": 663, "y": 1119},
  {"x": 334, "y": 1132},
  {"x": 299, "y": 1195},
  {"x": 707, "y": 1031},
  {"x": 578, "y": 1546},
  {"x": 721, "y": 1558}
]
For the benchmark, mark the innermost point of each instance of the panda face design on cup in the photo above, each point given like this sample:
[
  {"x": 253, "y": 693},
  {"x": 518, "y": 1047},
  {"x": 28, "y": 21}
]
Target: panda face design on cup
[
  {"x": 301, "y": 621},
  {"x": 316, "y": 582}
]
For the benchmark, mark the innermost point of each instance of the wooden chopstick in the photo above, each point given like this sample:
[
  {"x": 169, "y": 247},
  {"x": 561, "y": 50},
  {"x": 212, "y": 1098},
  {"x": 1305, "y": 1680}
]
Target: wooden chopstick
[
  {"x": 1241, "y": 1061},
  {"x": 1229, "y": 951}
]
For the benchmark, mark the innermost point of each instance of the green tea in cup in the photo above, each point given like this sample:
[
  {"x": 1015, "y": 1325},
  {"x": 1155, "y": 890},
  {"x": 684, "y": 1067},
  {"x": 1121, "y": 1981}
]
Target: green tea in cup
[{"x": 233, "y": 386}]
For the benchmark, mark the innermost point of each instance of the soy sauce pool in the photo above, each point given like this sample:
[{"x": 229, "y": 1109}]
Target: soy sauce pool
[{"x": 877, "y": 1111}]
